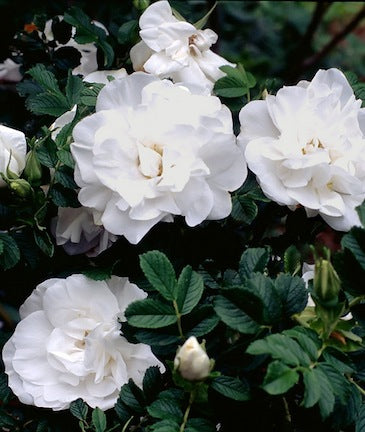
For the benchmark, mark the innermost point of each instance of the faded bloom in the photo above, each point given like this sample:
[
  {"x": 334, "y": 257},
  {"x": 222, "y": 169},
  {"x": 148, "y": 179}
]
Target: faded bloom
[
  {"x": 192, "y": 361},
  {"x": 76, "y": 231},
  {"x": 9, "y": 71},
  {"x": 153, "y": 150},
  {"x": 68, "y": 344},
  {"x": 306, "y": 146},
  {"x": 13, "y": 148},
  {"x": 176, "y": 49},
  {"x": 60, "y": 35}
]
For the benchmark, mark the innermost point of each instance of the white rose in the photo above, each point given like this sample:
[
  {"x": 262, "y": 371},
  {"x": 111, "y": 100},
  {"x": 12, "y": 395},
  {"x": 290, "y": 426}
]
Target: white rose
[
  {"x": 306, "y": 146},
  {"x": 13, "y": 148},
  {"x": 88, "y": 51},
  {"x": 192, "y": 361},
  {"x": 9, "y": 71},
  {"x": 176, "y": 49},
  {"x": 68, "y": 344},
  {"x": 153, "y": 150},
  {"x": 76, "y": 231}
]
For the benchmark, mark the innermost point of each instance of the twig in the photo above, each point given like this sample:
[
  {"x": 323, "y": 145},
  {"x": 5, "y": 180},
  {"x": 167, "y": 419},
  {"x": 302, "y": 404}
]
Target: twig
[{"x": 334, "y": 41}]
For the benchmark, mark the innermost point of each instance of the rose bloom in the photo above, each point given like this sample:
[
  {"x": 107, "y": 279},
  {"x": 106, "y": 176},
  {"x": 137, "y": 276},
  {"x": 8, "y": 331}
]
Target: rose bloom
[
  {"x": 306, "y": 146},
  {"x": 68, "y": 344},
  {"x": 153, "y": 150},
  {"x": 176, "y": 49},
  {"x": 76, "y": 232},
  {"x": 60, "y": 35},
  {"x": 9, "y": 71},
  {"x": 13, "y": 148}
]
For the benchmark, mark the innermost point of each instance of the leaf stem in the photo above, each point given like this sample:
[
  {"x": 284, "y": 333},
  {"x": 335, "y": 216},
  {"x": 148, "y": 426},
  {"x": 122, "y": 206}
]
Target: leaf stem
[
  {"x": 178, "y": 316},
  {"x": 187, "y": 411}
]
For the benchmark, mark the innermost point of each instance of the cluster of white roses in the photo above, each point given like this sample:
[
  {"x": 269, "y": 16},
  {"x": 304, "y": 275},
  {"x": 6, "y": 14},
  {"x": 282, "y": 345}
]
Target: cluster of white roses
[{"x": 155, "y": 149}]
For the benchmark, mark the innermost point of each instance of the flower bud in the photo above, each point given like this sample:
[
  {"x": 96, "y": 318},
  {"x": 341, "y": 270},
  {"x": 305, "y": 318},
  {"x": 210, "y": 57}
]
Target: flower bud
[
  {"x": 326, "y": 285},
  {"x": 21, "y": 187},
  {"x": 141, "y": 5},
  {"x": 33, "y": 169},
  {"x": 192, "y": 361}
]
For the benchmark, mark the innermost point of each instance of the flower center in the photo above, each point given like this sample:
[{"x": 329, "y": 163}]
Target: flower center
[
  {"x": 312, "y": 146},
  {"x": 150, "y": 159}
]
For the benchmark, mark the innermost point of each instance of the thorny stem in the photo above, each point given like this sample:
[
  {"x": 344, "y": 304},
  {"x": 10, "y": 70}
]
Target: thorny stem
[
  {"x": 178, "y": 316},
  {"x": 187, "y": 412}
]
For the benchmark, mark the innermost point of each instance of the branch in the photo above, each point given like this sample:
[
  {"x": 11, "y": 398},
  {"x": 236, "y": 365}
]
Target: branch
[{"x": 335, "y": 40}]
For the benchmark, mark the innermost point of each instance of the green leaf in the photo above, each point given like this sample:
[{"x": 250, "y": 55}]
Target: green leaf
[
  {"x": 74, "y": 88},
  {"x": 47, "y": 153},
  {"x": 253, "y": 260},
  {"x": 233, "y": 316},
  {"x": 44, "y": 78},
  {"x": 204, "y": 327},
  {"x": 128, "y": 32},
  {"x": 66, "y": 158},
  {"x": 166, "y": 409},
  {"x": 99, "y": 273},
  {"x": 1, "y": 247},
  {"x": 264, "y": 289},
  {"x": 79, "y": 409},
  {"x": 132, "y": 397},
  {"x": 312, "y": 390},
  {"x": 307, "y": 339},
  {"x": 199, "y": 425},
  {"x": 64, "y": 197},
  {"x": 99, "y": 420},
  {"x": 201, "y": 23},
  {"x": 89, "y": 94},
  {"x": 279, "y": 378},
  {"x": 160, "y": 273},
  {"x": 190, "y": 287},
  {"x": 165, "y": 426},
  {"x": 149, "y": 313},
  {"x": 65, "y": 176},
  {"x": 361, "y": 212},
  {"x": 5, "y": 391},
  {"x": 360, "y": 422},
  {"x": 10, "y": 254},
  {"x": 280, "y": 347},
  {"x": 292, "y": 260},
  {"x": 293, "y": 293},
  {"x": 339, "y": 360},
  {"x": 108, "y": 52},
  {"x": 231, "y": 387},
  {"x": 47, "y": 103},
  {"x": 327, "y": 400},
  {"x": 244, "y": 209},
  {"x": 44, "y": 242},
  {"x": 152, "y": 382},
  {"x": 236, "y": 82},
  {"x": 354, "y": 241}
]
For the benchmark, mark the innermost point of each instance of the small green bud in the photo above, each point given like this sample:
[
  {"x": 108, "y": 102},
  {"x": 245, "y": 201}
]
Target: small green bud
[
  {"x": 326, "y": 284},
  {"x": 192, "y": 361},
  {"x": 141, "y": 5},
  {"x": 33, "y": 168},
  {"x": 21, "y": 187}
]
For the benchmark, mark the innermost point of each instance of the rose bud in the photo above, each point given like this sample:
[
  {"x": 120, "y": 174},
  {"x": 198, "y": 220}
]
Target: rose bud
[{"x": 192, "y": 361}]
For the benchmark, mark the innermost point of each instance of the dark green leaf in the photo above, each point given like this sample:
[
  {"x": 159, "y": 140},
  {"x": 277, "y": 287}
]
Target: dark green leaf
[
  {"x": 128, "y": 32},
  {"x": 204, "y": 327},
  {"x": 166, "y": 409},
  {"x": 360, "y": 422},
  {"x": 244, "y": 209},
  {"x": 47, "y": 103},
  {"x": 160, "y": 273},
  {"x": 44, "y": 78},
  {"x": 79, "y": 409},
  {"x": 10, "y": 254},
  {"x": 190, "y": 288},
  {"x": 354, "y": 241},
  {"x": 99, "y": 273},
  {"x": 5, "y": 391},
  {"x": 65, "y": 176},
  {"x": 327, "y": 400},
  {"x": 199, "y": 425},
  {"x": 152, "y": 382},
  {"x": 361, "y": 212},
  {"x": 150, "y": 313},
  {"x": 292, "y": 260},
  {"x": 231, "y": 387},
  {"x": 233, "y": 316},
  {"x": 132, "y": 397},
  {"x": 252, "y": 261},
  {"x": 74, "y": 88},
  {"x": 108, "y": 52},
  {"x": 165, "y": 426},
  {"x": 66, "y": 158},
  {"x": 307, "y": 339},
  {"x": 99, "y": 420},
  {"x": 64, "y": 197},
  {"x": 44, "y": 242},
  {"x": 279, "y": 378},
  {"x": 293, "y": 293},
  {"x": 312, "y": 390},
  {"x": 280, "y": 347},
  {"x": 47, "y": 153}
]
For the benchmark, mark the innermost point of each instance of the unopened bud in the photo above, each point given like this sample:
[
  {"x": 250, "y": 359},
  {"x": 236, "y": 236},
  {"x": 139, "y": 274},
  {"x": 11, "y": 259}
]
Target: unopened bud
[
  {"x": 21, "y": 187},
  {"x": 33, "y": 168},
  {"x": 141, "y": 5},
  {"x": 326, "y": 284},
  {"x": 192, "y": 361}
]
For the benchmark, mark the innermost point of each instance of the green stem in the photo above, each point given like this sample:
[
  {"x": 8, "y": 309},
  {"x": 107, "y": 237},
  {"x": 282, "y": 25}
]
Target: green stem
[
  {"x": 361, "y": 390},
  {"x": 356, "y": 300},
  {"x": 178, "y": 316},
  {"x": 187, "y": 411},
  {"x": 51, "y": 183}
]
